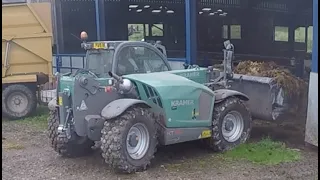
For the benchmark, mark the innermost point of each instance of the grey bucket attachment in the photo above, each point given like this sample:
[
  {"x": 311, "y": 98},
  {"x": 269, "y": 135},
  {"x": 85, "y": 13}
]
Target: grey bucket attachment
[{"x": 266, "y": 98}]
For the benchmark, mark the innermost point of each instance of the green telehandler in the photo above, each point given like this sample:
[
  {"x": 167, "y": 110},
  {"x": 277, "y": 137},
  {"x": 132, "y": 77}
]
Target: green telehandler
[{"x": 129, "y": 100}]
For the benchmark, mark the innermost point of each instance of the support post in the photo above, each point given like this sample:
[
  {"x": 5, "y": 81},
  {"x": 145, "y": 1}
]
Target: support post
[
  {"x": 312, "y": 131},
  {"x": 191, "y": 31},
  {"x": 293, "y": 11},
  {"x": 102, "y": 20},
  {"x": 291, "y": 38},
  {"x": 96, "y": 2},
  {"x": 58, "y": 32},
  {"x": 59, "y": 26},
  {"x": 315, "y": 37}
]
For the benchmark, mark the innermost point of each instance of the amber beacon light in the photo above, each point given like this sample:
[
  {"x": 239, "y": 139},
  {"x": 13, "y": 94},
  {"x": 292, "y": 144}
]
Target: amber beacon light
[{"x": 83, "y": 35}]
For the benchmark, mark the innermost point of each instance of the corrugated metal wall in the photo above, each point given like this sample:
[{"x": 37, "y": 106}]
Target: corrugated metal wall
[{"x": 257, "y": 19}]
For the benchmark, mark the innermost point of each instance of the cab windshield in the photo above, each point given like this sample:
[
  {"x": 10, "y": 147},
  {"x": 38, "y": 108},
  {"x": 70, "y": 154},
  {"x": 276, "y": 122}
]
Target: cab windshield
[
  {"x": 136, "y": 60},
  {"x": 100, "y": 62}
]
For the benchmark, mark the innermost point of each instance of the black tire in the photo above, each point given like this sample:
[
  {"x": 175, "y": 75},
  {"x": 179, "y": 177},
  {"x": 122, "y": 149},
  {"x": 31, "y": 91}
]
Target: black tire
[
  {"x": 113, "y": 140},
  {"x": 78, "y": 146},
  {"x": 22, "y": 91},
  {"x": 217, "y": 142}
]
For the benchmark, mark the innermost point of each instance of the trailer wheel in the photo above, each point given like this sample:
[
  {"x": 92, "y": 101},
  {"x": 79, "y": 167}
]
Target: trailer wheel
[
  {"x": 18, "y": 101},
  {"x": 129, "y": 141},
  {"x": 231, "y": 125},
  {"x": 75, "y": 147}
]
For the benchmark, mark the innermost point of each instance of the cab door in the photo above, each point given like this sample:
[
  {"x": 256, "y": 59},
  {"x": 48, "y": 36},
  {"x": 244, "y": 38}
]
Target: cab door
[{"x": 139, "y": 57}]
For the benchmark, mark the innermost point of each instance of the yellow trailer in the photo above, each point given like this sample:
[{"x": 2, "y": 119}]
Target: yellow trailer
[{"x": 26, "y": 56}]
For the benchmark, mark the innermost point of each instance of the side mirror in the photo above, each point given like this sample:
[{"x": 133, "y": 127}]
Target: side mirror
[
  {"x": 161, "y": 48},
  {"x": 115, "y": 76}
]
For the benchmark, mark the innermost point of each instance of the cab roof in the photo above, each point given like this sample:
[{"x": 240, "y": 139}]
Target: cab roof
[{"x": 105, "y": 44}]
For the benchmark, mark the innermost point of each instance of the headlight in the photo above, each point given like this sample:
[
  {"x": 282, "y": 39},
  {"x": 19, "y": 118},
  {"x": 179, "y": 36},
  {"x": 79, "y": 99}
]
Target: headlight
[{"x": 126, "y": 85}]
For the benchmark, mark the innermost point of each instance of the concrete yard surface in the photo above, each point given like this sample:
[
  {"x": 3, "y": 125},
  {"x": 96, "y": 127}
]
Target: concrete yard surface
[{"x": 27, "y": 155}]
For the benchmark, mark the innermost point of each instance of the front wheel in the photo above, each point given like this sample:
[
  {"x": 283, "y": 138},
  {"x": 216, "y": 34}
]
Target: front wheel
[
  {"x": 231, "y": 125},
  {"x": 129, "y": 141},
  {"x": 75, "y": 147}
]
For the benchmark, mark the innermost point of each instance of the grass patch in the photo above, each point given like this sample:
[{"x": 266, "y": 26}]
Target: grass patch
[
  {"x": 265, "y": 152},
  {"x": 11, "y": 146},
  {"x": 38, "y": 120}
]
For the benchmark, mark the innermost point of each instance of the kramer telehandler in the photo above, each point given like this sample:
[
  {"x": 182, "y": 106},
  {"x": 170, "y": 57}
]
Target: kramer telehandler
[{"x": 129, "y": 100}]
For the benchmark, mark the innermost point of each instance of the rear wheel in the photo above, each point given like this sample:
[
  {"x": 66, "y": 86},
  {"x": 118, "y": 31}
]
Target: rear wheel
[
  {"x": 231, "y": 125},
  {"x": 75, "y": 147},
  {"x": 18, "y": 101},
  {"x": 128, "y": 142}
]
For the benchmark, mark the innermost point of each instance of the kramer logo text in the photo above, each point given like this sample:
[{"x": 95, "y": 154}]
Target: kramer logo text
[
  {"x": 190, "y": 74},
  {"x": 182, "y": 102}
]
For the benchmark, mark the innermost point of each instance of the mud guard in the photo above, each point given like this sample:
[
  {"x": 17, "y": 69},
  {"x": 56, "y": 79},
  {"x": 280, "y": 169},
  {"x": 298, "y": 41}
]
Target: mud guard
[
  {"x": 117, "y": 107},
  {"x": 222, "y": 94}
]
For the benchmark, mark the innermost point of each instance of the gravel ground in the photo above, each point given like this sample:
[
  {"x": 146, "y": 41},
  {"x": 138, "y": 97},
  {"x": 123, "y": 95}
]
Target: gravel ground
[{"x": 27, "y": 155}]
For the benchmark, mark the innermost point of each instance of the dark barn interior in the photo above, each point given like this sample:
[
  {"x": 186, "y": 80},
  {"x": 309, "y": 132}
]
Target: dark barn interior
[{"x": 260, "y": 29}]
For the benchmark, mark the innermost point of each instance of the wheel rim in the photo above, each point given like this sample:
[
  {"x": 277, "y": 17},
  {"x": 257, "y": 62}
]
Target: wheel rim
[
  {"x": 137, "y": 141},
  {"x": 232, "y": 126},
  {"x": 17, "y": 102}
]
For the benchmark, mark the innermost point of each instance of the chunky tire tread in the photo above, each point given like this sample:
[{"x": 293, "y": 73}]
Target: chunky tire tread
[
  {"x": 61, "y": 144},
  {"x": 32, "y": 101},
  {"x": 113, "y": 140},
  {"x": 217, "y": 142}
]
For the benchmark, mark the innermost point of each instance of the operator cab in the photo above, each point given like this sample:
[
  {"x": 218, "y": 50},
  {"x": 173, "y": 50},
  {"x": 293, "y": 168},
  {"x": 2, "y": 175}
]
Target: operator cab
[{"x": 123, "y": 57}]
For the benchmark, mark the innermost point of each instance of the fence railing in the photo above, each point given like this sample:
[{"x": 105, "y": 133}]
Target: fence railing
[{"x": 68, "y": 62}]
